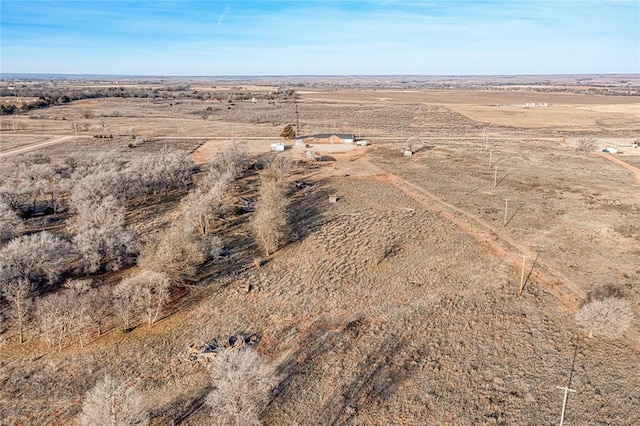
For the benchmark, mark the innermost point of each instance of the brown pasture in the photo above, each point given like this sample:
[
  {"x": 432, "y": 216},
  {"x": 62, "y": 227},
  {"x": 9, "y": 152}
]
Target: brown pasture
[{"x": 398, "y": 304}]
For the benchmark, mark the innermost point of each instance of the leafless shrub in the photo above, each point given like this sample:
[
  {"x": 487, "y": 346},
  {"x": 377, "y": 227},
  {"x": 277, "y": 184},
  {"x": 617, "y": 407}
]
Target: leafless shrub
[
  {"x": 10, "y": 223},
  {"x": 242, "y": 383},
  {"x": 414, "y": 144},
  {"x": 608, "y": 317},
  {"x": 586, "y": 144},
  {"x": 17, "y": 294},
  {"x": 211, "y": 246},
  {"x": 112, "y": 403},
  {"x": 176, "y": 252}
]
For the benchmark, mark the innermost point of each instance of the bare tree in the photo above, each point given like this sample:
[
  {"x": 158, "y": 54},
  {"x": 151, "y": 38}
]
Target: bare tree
[
  {"x": 203, "y": 205},
  {"x": 270, "y": 220},
  {"x": 276, "y": 168},
  {"x": 17, "y": 294},
  {"x": 15, "y": 195},
  {"x": 107, "y": 212},
  {"x": 112, "y": 248},
  {"x": 34, "y": 257},
  {"x": 608, "y": 317},
  {"x": 10, "y": 223},
  {"x": 125, "y": 302},
  {"x": 112, "y": 403},
  {"x": 232, "y": 159},
  {"x": 53, "y": 313},
  {"x": 242, "y": 384},
  {"x": 100, "y": 306},
  {"x": 586, "y": 144},
  {"x": 176, "y": 252},
  {"x": 79, "y": 297},
  {"x": 158, "y": 173},
  {"x": 151, "y": 290}
]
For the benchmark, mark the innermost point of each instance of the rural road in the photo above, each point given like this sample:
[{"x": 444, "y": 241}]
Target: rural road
[
  {"x": 632, "y": 169},
  {"x": 33, "y": 146}
]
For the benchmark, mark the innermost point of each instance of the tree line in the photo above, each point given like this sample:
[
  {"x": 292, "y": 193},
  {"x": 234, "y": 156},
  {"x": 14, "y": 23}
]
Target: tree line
[{"x": 49, "y": 278}]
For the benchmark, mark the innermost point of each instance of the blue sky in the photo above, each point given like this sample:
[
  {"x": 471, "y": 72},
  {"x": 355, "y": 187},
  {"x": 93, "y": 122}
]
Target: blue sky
[{"x": 187, "y": 38}]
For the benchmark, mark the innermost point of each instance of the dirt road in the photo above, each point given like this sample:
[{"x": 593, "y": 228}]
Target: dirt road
[
  {"x": 33, "y": 147},
  {"x": 502, "y": 245},
  {"x": 632, "y": 169}
]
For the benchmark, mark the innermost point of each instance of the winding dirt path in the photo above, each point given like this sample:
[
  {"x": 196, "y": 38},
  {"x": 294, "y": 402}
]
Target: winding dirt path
[{"x": 632, "y": 169}]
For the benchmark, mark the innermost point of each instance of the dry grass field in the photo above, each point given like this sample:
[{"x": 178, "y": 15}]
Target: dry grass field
[{"x": 397, "y": 304}]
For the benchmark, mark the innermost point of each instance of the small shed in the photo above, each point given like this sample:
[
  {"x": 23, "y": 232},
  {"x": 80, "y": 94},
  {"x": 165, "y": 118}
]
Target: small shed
[
  {"x": 279, "y": 146},
  {"x": 407, "y": 153}
]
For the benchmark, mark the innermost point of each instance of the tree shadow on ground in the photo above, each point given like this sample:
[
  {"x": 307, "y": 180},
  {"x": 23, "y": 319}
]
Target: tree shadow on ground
[
  {"x": 372, "y": 382},
  {"x": 306, "y": 210}
]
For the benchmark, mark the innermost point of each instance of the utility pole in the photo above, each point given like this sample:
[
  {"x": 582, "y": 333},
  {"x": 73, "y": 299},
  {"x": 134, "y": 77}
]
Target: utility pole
[
  {"x": 297, "y": 119},
  {"x": 522, "y": 276},
  {"x": 490, "y": 159},
  {"x": 564, "y": 401},
  {"x": 495, "y": 177},
  {"x": 506, "y": 203}
]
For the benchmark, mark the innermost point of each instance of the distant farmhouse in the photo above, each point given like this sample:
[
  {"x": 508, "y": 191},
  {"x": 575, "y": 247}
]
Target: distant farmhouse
[{"x": 330, "y": 138}]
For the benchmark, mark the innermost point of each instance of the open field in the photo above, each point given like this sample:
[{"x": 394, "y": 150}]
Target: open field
[{"x": 397, "y": 304}]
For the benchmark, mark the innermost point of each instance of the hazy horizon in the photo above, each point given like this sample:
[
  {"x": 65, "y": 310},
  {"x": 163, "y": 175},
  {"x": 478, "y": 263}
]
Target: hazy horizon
[
  {"x": 312, "y": 38},
  {"x": 9, "y": 75}
]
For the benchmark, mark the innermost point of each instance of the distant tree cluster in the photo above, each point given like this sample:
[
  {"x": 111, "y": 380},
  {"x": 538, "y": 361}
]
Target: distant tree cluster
[{"x": 47, "y": 95}]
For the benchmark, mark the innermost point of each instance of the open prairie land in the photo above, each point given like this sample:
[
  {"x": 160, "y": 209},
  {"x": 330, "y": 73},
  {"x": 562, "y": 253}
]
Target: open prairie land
[{"x": 439, "y": 288}]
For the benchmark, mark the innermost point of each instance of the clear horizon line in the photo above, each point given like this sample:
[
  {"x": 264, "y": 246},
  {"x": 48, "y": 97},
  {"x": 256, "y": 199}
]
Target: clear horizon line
[{"x": 13, "y": 74}]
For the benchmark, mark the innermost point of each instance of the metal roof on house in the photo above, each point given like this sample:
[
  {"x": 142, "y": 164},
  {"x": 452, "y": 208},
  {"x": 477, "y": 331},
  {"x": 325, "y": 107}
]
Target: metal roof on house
[{"x": 328, "y": 135}]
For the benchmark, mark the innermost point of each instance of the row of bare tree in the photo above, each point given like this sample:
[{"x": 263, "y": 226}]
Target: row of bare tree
[
  {"x": 241, "y": 380},
  {"x": 97, "y": 239}
]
